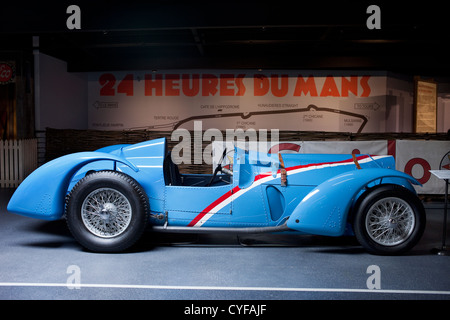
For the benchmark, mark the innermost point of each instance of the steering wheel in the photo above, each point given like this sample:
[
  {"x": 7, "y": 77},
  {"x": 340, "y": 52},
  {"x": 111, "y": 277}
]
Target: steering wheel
[{"x": 219, "y": 168}]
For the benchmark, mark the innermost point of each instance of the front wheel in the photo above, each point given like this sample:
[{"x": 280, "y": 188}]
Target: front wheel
[
  {"x": 107, "y": 211},
  {"x": 389, "y": 220}
]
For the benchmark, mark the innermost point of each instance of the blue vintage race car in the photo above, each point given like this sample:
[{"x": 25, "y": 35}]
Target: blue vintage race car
[{"x": 110, "y": 196}]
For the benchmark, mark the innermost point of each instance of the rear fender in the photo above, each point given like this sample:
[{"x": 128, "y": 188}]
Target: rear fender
[
  {"x": 325, "y": 209},
  {"x": 42, "y": 194}
]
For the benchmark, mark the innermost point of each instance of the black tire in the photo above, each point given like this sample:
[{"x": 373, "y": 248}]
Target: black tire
[
  {"x": 389, "y": 220},
  {"x": 107, "y": 211}
]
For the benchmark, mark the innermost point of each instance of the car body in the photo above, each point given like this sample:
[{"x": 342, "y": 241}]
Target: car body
[{"x": 111, "y": 195}]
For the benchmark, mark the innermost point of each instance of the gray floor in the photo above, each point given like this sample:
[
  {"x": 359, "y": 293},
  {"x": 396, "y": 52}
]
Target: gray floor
[{"x": 40, "y": 260}]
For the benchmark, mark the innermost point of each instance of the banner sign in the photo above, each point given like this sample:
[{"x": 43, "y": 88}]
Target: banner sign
[
  {"x": 285, "y": 100},
  {"x": 376, "y": 147},
  {"x": 415, "y": 158}
]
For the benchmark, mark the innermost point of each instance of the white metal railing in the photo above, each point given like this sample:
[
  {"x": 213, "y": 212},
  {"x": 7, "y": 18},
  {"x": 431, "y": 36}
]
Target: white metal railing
[{"x": 18, "y": 158}]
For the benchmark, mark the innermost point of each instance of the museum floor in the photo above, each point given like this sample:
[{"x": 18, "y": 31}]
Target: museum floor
[{"x": 40, "y": 260}]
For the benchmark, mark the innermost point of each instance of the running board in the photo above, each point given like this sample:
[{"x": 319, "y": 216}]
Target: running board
[{"x": 252, "y": 230}]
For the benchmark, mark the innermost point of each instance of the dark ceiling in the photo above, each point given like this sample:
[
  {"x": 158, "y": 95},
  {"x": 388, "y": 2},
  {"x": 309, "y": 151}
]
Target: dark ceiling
[{"x": 127, "y": 35}]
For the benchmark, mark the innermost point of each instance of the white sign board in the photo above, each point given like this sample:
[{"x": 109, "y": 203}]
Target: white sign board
[
  {"x": 417, "y": 158},
  {"x": 227, "y": 99}
]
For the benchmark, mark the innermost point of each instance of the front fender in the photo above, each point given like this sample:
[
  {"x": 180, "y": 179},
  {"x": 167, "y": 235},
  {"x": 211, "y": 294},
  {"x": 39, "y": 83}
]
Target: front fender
[
  {"x": 325, "y": 209},
  {"x": 42, "y": 194}
]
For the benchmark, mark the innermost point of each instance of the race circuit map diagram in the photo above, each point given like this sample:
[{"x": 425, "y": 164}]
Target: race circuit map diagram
[{"x": 247, "y": 115}]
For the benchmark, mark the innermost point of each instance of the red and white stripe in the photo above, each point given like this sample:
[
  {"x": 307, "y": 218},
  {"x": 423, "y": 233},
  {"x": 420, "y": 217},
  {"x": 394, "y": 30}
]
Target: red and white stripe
[{"x": 236, "y": 192}]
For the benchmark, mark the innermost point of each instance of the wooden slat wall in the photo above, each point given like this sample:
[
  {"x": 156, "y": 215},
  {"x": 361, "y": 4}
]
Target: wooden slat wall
[{"x": 18, "y": 158}]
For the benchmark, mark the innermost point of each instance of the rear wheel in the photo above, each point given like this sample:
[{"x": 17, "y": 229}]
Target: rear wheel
[
  {"x": 389, "y": 220},
  {"x": 107, "y": 211}
]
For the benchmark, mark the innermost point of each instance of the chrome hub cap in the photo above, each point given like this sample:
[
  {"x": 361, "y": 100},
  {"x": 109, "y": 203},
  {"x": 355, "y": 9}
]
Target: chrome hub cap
[
  {"x": 390, "y": 221},
  {"x": 106, "y": 212}
]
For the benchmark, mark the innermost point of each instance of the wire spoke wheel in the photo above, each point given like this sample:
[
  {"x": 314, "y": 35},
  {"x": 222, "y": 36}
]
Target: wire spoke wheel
[
  {"x": 390, "y": 221},
  {"x": 106, "y": 212}
]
